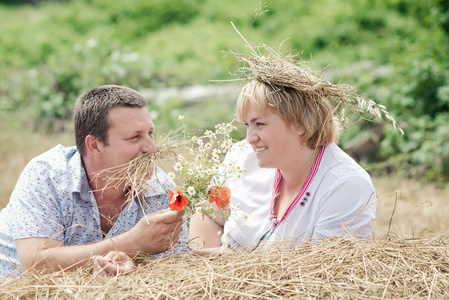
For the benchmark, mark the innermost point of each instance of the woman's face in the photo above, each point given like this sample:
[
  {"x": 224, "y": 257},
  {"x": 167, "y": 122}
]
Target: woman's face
[{"x": 277, "y": 145}]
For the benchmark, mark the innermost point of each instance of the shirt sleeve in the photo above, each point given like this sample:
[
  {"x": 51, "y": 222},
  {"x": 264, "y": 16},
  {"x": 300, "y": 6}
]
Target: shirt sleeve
[
  {"x": 35, "y": 209},
  {"x": 348, "y": 207}
]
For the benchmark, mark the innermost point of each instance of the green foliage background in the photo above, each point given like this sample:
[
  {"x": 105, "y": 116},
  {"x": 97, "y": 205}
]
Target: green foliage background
[{"x": 394, "y": 51}]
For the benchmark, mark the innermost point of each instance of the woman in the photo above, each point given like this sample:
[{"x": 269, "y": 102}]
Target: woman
[{"x": 300, "y": 185}]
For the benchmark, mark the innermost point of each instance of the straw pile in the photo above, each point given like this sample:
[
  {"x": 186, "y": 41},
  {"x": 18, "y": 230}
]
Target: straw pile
[{"x": 335, "y": 269}]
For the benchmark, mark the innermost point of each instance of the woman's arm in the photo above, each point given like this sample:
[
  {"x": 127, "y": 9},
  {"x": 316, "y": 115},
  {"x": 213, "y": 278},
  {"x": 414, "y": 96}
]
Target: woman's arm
[{"x": 205, "y": 232}]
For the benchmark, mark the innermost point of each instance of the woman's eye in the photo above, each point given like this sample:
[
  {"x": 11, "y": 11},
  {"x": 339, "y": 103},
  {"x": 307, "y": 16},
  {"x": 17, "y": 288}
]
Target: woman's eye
[{"x": 259, "y": 124}]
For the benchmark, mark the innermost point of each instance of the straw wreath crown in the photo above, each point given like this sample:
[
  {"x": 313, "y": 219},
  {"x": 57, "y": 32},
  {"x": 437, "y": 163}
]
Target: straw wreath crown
[{"x": 287, "y": 70}]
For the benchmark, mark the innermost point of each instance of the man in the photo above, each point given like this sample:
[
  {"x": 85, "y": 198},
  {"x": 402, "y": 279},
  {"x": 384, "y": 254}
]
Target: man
[{"x": 61, "y": 215}]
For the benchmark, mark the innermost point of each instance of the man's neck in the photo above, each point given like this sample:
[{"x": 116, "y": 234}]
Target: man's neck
[{"x": 106, "y": 191}]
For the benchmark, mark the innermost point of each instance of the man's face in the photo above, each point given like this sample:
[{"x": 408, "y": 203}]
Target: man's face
[{"x": 130, "y": 134}]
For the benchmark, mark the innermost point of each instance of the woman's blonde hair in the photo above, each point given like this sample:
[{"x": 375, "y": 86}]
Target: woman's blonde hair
[
  {"x": 301, "y": 96},
  {"x": 303, "y": 109}
]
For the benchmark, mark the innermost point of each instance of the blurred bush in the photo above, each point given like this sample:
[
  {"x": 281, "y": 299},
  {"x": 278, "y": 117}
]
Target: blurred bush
[{"x": 394, "y": 51}]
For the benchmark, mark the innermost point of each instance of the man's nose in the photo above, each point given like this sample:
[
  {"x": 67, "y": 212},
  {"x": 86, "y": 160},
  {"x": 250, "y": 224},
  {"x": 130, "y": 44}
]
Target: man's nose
[{"x": 149, "y": 146}]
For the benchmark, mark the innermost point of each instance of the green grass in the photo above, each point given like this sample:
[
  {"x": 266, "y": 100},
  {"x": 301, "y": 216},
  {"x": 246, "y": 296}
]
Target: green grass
[{"x": 57, "y": 50}]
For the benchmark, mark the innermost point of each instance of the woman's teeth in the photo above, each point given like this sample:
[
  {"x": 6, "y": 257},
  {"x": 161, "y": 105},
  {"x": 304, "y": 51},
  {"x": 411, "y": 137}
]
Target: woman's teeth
[{"x": 260, "y": 149}]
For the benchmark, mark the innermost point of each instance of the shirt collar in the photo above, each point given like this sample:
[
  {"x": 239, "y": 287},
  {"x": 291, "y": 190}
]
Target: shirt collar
[
  {"x": 155, "y": 186},
  {"x": 79, "y": 176}
]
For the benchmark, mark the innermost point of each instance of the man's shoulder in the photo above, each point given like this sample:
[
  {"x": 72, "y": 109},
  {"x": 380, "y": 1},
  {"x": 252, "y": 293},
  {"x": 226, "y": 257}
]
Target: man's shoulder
[
  {"x": 57, "y": 153},
  {"x": 58, "y": 159}
]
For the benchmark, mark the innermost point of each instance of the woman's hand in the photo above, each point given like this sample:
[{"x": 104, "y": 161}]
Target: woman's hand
[{"x": 113, "y": 263}]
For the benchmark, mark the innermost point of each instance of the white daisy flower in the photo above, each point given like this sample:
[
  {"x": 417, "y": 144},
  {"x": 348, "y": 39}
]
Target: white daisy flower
[
  {"x": 191, "y": 190},
  {"x": 178, "y": 166},
  {"x": 190, "y": 171},
  {"x": 180, "y": 157},
  {"x": 171, "y": 175}
]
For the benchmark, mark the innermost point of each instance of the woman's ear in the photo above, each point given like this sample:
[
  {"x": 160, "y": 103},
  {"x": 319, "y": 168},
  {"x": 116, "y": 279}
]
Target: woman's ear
[
  {"x": 93, "y": 146},
  {"x": 300, "y": 131}
]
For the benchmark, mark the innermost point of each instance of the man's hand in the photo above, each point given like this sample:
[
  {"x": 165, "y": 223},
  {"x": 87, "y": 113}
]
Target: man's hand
[
  {"x": 113, "y": 263},
  {"x": 154, "y": 233}
]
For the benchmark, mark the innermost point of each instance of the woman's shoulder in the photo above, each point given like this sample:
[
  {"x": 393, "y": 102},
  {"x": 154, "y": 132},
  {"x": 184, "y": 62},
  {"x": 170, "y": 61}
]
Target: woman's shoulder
[
  {"x": 239, "y": 150},
  {"x": 339, "y": 164}
]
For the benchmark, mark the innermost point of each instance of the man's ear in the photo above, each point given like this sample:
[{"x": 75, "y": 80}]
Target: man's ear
[{"x": 93, "y": 146}]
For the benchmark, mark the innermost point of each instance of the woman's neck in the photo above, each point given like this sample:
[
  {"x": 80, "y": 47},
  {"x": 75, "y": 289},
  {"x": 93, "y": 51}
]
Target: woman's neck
[
  {"x": 293, "y": 179},
  {"x": 295, "y": 174}
]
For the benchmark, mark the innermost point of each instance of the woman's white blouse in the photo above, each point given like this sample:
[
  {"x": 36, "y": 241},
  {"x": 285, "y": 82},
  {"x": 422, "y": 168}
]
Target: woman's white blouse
[{"x": 340, "y": 200}]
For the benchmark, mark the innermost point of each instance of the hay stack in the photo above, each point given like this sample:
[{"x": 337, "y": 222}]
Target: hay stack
[{"x": 336, "y": 269}]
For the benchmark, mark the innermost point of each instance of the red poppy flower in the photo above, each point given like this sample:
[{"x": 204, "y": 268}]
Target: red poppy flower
[
  {"x": 177, "y": 200},
  {"x": 220, "y": 195}
]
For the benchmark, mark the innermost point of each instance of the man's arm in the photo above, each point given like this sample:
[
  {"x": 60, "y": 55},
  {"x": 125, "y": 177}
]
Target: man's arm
[{"x": 153, "y": 234}]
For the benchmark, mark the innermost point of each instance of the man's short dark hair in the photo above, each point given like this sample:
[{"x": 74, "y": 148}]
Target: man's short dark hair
[{"x": 91, "y": 111}]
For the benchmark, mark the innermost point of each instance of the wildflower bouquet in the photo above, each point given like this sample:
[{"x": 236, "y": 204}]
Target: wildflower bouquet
[{"x": 200, "y": 172}]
